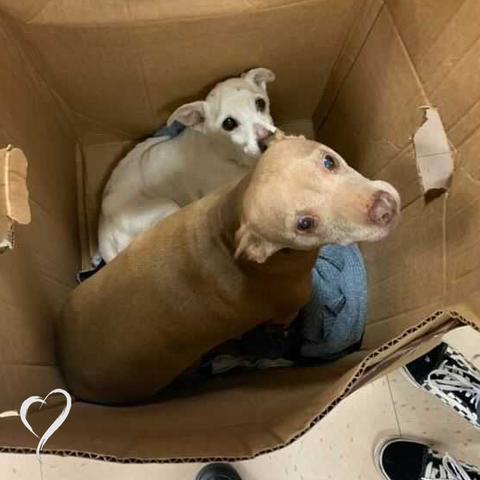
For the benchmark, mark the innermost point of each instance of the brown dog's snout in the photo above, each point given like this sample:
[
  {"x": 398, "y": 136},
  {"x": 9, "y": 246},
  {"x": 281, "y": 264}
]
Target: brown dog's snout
[{"x": 383, "y": 209}]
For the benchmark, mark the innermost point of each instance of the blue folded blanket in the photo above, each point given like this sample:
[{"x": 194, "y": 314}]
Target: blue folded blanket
[
  {"x": 334, "y": 318},
  {"x": 328, "y": 327}
]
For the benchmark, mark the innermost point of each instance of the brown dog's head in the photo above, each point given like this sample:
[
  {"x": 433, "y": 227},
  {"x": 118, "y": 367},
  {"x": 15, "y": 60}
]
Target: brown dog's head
[{"x": 303, "y": 194}]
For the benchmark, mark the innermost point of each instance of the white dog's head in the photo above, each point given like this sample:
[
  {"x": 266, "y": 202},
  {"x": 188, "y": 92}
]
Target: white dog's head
[{"x": 236, "y": 111}]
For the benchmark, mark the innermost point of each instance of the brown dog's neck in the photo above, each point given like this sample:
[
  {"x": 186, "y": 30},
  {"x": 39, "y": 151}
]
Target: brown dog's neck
[{"x": 226, "y": 220}]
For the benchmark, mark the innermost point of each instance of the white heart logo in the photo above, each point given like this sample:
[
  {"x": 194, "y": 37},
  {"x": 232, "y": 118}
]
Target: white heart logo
[{"x": 55, "y": 425}]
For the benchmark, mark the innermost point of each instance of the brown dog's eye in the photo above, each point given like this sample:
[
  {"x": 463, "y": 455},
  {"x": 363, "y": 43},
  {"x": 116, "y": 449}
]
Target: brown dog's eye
[
  {"x": 305, "y": 223},
  {"x": 229, "y": 124},
  {"x": 260, "y": 104},
  {"x": 329, "y": 162}
]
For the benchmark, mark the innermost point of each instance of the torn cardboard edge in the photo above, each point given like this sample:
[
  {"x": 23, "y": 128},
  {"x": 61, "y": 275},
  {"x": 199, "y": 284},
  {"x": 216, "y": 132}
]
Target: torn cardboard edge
[
  {"x": 366, "y": 372},
  {"x": 14, "y": 204},
  {"x": 435, "y": 160}
]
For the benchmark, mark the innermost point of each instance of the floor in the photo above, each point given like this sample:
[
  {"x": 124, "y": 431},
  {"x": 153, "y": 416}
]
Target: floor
[{"x": 339, "y": 448}]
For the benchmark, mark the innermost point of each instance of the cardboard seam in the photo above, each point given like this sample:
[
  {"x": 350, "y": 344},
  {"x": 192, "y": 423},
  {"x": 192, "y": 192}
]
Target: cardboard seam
[
  {"x": 459, "y": 119},
  {"x": 469, "y": 136},
  {"x": 317, "y": 122},
  {"x": 39, "y": 11},
  {"x": 56, "y": 280},
  {"x": 461, "y": 252},
  {"x": 139, "y": 61},
  {"x": 393, "y": 159},
  {"x": 470, "y": 176},
  {"x": 444, "y": 246},
  {"x": 411, "y": 202},
  {"x": 441, "y": 31},
  {"x": 347, "y": 73},
  {"x": 37, "y": 79},
  {"x": 465, "y": 206},
  {"x": 454, "y": 67},
  {"x": 83, "y": 224},
  {"x": 6, "y": 182},
  {"x": 180, "y": 19},
  {"x": 409, "y": 58},
  {"x": 100, "y": 123}
]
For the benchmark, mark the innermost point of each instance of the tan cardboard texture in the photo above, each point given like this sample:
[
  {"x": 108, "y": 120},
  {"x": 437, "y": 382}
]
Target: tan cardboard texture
[{"x": 82, "y": 81}]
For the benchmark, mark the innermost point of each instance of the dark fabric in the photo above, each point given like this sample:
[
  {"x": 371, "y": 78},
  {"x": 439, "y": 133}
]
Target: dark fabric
[{"x": 86, "y": 274}]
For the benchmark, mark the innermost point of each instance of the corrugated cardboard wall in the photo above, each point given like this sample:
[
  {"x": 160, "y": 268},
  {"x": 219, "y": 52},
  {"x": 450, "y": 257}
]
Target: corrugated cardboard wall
[
  {"x": 122, "y": 71},
  {"x": 413, "y": 58},
  {"x": 37, "y": 275},
  {"x": 445, "y": 50}
]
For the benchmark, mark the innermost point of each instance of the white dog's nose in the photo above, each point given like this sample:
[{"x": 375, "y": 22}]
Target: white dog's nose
[{"x": 261, "y": 132}]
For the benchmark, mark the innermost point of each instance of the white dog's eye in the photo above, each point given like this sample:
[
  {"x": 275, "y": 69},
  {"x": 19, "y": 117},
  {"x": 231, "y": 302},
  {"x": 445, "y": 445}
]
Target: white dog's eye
[
  {"x": 329, "y": 162},
  {"x": 261, "y": 104},
  {"x": 305, "y": 223},
  {"x": 229, "y": 124}
]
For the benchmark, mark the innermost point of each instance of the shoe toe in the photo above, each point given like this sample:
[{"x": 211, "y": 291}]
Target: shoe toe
[
  {"x": 403, "y": 460},
  {"x": 218, "y": 471}
]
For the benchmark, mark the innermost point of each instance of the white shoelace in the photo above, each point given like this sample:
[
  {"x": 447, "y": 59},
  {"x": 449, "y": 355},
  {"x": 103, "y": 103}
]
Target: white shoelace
[
  {"x": 450, "y": 469},
  {"x": 452, "y": 381}
]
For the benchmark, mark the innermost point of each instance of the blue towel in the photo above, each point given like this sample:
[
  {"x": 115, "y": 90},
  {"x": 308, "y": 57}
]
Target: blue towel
[
  {"x": 334, "y": 319},
  {"x": 172, "y": 131}
]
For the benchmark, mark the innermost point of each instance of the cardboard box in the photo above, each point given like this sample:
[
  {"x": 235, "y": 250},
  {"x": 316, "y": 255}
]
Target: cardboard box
[{"x": 393, "y": 86}]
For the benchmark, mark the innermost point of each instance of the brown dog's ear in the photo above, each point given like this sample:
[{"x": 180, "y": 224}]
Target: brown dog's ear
[
  {"x": 259, "y": 77},
  {"x": 255, "y": 247},
  {"x": 190, "y": 114}
]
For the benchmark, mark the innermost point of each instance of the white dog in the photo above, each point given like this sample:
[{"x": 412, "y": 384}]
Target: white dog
[{"x": 161, "y": 175}]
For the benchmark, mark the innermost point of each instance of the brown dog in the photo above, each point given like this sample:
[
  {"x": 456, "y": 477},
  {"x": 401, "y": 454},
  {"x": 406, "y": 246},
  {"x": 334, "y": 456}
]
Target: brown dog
[{"x": 219, "y": 267}]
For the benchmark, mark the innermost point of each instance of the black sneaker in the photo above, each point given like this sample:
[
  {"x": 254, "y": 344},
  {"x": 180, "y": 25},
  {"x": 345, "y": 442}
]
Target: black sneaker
[
  {"x": 447, "y": 374},
  {"x": 401, "y": 459},
  {"x": 218, "y": 471}
]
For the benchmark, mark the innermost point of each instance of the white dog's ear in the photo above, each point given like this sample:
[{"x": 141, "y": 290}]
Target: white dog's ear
[
  {"x": 191, "y": 114},
  {"x": 259, "y": 77},
  {"x": 256, "y": 248}
]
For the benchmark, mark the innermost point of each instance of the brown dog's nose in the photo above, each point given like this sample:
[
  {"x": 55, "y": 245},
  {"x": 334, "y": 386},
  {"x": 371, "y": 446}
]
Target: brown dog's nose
[{"x": 383, "y": 209}]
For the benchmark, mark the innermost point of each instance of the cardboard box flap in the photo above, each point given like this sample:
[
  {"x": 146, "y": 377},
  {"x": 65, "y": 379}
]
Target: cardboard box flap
[
  {"x": 229, "y": 418},
  {"x": 434, "y": 156},
  {"x": 14, "y": 206}
]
